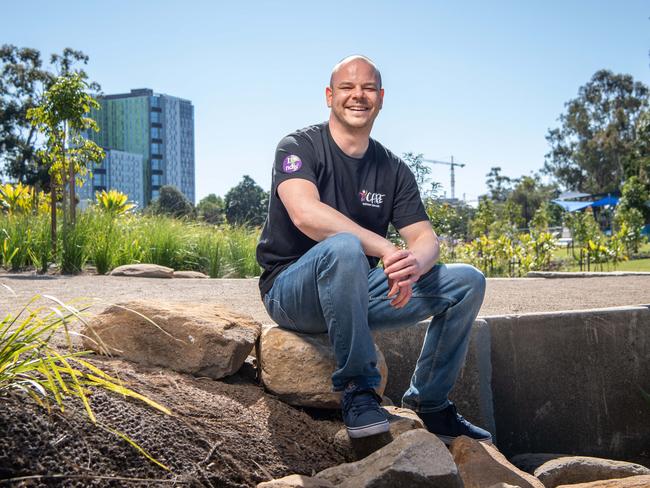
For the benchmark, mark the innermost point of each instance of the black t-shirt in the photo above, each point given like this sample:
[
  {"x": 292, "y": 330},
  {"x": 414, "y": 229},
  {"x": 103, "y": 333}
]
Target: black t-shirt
[{"x": 373, "y": 191}]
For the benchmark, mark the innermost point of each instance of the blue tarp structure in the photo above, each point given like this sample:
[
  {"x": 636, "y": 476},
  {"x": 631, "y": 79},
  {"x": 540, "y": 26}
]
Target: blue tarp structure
[
  {"x": 572, "y": 206},
  {"x": 608, "y": 200}
]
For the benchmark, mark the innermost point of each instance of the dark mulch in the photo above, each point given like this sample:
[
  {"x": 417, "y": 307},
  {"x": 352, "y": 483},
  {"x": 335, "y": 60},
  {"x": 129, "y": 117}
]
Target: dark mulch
[{"x": 222, "y": 434}]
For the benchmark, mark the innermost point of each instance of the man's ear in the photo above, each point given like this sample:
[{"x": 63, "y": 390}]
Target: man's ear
[
  {"x": 328, "y": 96},
  {"x": 381, "y": 98}
]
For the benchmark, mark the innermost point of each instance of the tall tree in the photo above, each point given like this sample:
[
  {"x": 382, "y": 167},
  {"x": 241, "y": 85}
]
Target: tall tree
[
  {"x": 172, "y": 202},
  {"x": 596, "y": 145},
  {"x": 211, "y": 209},
  {"x": 23, "y": 81},
  {"x": 529, "y": 194},
  {"x": 246, "y": 203},
  {"x": 62, "y": 118},
  {"x": 498, "y": 184},
  {"x": 428, "y": 188}
]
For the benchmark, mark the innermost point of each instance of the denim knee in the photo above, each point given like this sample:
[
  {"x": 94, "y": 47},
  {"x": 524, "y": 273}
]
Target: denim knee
[
  {"x": 346, "y": 248},
  {"x": 471, "y": 278}
]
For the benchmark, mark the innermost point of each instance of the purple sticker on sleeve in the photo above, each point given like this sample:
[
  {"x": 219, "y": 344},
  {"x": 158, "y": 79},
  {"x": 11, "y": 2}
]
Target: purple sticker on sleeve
[{"x": 291, "y": 164}]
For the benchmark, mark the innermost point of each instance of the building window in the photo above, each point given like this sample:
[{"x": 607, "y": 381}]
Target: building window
[
  {"x": 156, "y": 148},
  {"x": 156, "y": 133},
  {"x": 155, "y": 117},
  {"x": 156, "y": 164},
  {"x": 155, "y": 101}
]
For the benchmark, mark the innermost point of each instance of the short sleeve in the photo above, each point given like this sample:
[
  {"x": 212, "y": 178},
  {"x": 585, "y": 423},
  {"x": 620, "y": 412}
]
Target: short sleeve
[
  {"x": 294, "y": 158},
  {"x": 407, "y": 204}
]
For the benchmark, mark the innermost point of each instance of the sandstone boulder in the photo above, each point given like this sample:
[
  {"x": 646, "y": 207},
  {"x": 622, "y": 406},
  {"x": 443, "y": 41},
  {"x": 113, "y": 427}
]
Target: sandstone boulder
[
  {"x": 415, "y": 459},
  {"x": 530, "y": 461},
  {"x": 631, "y": 482},
  {"x": 143, "y": 271},
  {"x": 196, "y": 338},
  {"x": 296, "y": 481},
  {"x": 189, "y": 274},
  {"x": 481, "y": 465},
  {"x": 401, "y": 420},
  {"x": 298, "y": 368},
  {"x": 582, "y": 469}
]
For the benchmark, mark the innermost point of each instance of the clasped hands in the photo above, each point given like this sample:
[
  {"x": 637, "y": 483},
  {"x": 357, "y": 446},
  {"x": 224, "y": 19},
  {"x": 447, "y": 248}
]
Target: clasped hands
[{"x": 402, "y": 269}]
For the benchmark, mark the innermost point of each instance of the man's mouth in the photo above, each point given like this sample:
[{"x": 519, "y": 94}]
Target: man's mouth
[{"x": 358, "y": 109}]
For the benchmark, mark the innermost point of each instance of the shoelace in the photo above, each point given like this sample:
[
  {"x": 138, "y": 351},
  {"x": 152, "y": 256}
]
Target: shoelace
[
  {"x": 361, "y": 401},
  {"x": 458, "y": 416}
]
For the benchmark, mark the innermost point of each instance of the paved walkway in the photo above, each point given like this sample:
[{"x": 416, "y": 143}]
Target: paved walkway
[{"x": 503, "y": 296}]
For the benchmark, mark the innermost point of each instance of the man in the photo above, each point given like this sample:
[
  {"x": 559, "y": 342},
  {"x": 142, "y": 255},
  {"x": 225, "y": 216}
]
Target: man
[{"x": 334, "y": 193}]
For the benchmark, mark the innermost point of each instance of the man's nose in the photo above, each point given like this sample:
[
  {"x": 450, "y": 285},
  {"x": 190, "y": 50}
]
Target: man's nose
[{"x": 357, "y": 91}]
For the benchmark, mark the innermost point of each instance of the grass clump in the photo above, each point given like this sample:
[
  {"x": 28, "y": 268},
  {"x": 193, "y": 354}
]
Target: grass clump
[{"x": 30, "y": 365}]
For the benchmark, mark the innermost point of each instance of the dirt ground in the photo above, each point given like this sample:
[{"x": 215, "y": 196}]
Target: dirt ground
[{"x": 223, "y": 433}]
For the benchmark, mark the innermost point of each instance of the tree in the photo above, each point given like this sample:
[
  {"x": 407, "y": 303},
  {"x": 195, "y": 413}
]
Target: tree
[
  {"x": 23, "y": 81},
  {"x": 499, "y": 185},
  {"x": 172, "y": 202},
  {"x": 635, "y": 195},
  {"x": 246, "y": 203},
  {"x": 211, "y": 209},
  {"x": 596, "y": 145},
  {"x": 61, "y": 117},
  {"x": 529, "y": 194},
  {"x": 428, "y": 189},
  {"x": 484, "y": 217}
]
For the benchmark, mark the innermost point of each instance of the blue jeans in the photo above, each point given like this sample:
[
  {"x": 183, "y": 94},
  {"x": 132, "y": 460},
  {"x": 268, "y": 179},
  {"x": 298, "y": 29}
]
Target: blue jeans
[{"x": 332, "y": 289}]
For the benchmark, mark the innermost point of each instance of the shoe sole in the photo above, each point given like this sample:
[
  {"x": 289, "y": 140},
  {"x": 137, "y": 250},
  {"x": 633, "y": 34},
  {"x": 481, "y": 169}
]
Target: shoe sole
[
  {"x": 368, "y": 430},
  {"x": 448, "y": 439}
]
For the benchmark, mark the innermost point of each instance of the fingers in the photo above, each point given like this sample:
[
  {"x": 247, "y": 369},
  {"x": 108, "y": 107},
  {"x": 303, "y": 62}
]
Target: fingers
[
  {"x": 398, "y": 261},
  {"x": 404, "y": 273},
  {"x": 405, "y": 293},
  {"x": 393, "y": 288},
  {"x": 395, "y": 257}
]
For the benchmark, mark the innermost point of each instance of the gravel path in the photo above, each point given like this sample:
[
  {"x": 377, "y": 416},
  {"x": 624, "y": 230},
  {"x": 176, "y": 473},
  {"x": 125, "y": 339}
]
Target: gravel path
[{"x": 503, "y": 296}]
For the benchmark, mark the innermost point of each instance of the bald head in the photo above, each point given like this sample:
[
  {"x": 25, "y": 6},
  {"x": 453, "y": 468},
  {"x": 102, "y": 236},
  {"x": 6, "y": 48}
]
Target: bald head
[{"x": 353, "y": 58}]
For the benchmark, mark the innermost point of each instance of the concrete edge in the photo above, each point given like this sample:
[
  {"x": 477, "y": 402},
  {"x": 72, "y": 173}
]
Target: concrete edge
[
  {"x": 483, "y": 351},
  {"x": 565, "y": 312},
  {"x": 583, "y": 274}
]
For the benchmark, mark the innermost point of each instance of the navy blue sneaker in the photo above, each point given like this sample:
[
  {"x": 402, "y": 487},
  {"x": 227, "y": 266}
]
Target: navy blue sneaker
[
  {"x": 448, "y": 424},
  {"x": 362, "y": 414}
]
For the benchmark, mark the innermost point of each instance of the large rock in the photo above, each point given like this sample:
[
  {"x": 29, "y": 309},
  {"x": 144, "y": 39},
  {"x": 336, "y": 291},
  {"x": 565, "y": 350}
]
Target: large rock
[
  {"x": 298, "y": 368},
  {"x": 143, "y": 271},
  {"x": 415, "y": 459},
  {"x": 401, "y": 420},
  {"x": 189, "y": 274},
  {"x": 296, "y": 481},
  {"x": 631, "y": 482},
  {"x": 530, "y": 461},
  {"x": 196, "y": 338},
  {"x": 582, "y": 469},
  {"x": 482, "y": 465}
]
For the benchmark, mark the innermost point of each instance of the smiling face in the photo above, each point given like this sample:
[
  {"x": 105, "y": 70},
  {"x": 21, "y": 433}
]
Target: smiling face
[{"x": 355, "y": 95}]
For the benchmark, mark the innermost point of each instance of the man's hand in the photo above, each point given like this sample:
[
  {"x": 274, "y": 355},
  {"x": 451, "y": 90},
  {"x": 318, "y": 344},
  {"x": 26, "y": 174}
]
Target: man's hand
[{"x": 402, "y": 270}]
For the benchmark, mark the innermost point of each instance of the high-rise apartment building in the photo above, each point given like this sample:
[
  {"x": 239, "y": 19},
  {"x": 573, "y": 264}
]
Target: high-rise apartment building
[
  {"x": 120, "y": 170},
  {"x": 159, "y": 128}
]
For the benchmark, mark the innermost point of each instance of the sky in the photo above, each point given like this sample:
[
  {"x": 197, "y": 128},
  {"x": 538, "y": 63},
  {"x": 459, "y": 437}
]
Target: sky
[{"x": 480, "y": 81}]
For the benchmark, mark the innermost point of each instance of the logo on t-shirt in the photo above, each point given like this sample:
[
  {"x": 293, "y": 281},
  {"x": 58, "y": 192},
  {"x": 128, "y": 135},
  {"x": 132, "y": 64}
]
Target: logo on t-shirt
[
  {"x": 370, "y": 199},
  {"x": 291, "y": 164}
]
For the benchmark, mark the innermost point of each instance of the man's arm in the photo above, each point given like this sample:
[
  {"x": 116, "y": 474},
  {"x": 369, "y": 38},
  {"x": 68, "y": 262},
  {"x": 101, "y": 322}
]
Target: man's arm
[{"x": 319, "y": 221}]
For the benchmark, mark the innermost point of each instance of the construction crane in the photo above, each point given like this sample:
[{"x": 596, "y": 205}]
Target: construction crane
[{"x": 452, "y": 164}]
